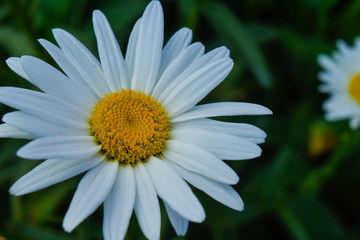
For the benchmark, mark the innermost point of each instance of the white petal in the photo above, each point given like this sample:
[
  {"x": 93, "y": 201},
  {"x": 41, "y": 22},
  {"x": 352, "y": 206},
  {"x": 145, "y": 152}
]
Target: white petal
[
  {"x": 112, "y": 61},
  {"x": 330, "y": 65},
  {"x": 222, "y": 109},
  {"x": 44, "y": 106},
  {"x": 40, "y": 127},
  {"x": 53, "y": 171},
  {"x": 174, "y": 191},
  {"x": 242, "y": 130},
  {"x": 198, "y": 160},
  {"x": 60, "y": 58},
  {"x": 179, "y": 41},
  {"x": 219, "y": 191},
  {"x": 357, "y": 43},
  {"x": 200, "y": 63},
  {"x": 82, "y": 59},
  {"x": 354, "y": 122},
  {"x": 60, "y": 147},
  {"x": 145, "y": 62},
  {"x": 346, "y": 57},
  {"x": 196, "y": 86},
  {"x": 119, "y": 205},
  {"x": 8, "y": 131},
  {"x": 15, "y": 64},
  {"x": 147, "y": 207},
  {"x": 92, "y": 190},
  {"x": 179, "y": 223},
  {"x": 340, "y": 106},
  {"x": 331, "y": 83},
  {"x": 223, "y": 146},
  {"x": 131, "y": 47},
  {"x": 177, "y": 66},
  {"x": 53, "y": 82}
]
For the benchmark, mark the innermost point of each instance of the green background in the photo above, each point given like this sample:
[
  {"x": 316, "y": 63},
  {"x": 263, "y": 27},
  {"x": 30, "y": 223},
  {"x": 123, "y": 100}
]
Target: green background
[{"x": 306, "y": 183}]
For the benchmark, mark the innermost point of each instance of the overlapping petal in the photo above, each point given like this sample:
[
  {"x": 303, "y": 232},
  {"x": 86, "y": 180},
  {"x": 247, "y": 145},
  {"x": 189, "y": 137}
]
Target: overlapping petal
[
  {"x": 53, "y": 171},
  {"x": 177, "y": 66},
  {"x": 219, "y": 191},
  {"x": 196, "y": 159},
  {"x": 174, "y": 191},
  {"x": 40, "y": 127},
  {"x": 45, "y": 106},
  {"x": 196, "y": 86},
  {"x": 60, "y": 147},
  {"x": 8, "y": 131},
  {"x": 176, "y": 44},
  {"x": 200, "y": 63},
  {"x": 147, "y": 207},
  {"x": 60, "y": 86},
  {"x": 93, "y": 188},
  {"x": 223, "y": 146},
  {"x": 83, "y": 60},
  {"x": 15, "y": 64},
  {"x": 146, "y": 47},
  {"x": 222, "y": 109},
  {"x": 179, "y": 223},
  {"x": 58, "y": 55},
  {"x": 112, "y": 61},
  {"x": 119, "y": 205},
  {"x": 242, "y": 130}
]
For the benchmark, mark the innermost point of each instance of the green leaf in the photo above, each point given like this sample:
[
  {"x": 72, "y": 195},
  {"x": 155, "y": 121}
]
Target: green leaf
[
  {"x": 41, "y": 206},
  {"x": 15, "y": 42},
  {"x": 188, "y": 13},
  {"x": 310, "y": 219},
  {"x": 27, "y": 231},
  {"x": 237, "y": 35},
  {"x": 297, "y": 230}
]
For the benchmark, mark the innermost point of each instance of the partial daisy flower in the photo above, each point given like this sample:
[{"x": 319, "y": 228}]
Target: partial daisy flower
[
  {"x": 341, "y": 79},
  {"x": 132, "y": 124}
]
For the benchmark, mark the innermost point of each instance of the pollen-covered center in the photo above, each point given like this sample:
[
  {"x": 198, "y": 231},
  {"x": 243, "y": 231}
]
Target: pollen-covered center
[
  {"x": 354, "y": 87},
  {"x": 130, "y": 126}
]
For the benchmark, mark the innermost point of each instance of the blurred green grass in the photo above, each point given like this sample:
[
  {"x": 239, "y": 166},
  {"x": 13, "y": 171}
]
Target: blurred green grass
[{"x": 306, "y": 183}]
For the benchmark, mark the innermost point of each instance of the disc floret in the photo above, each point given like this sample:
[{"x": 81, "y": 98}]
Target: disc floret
[
  {"x": 130, "y": 126},
  {"x": 354, "y": 87}
]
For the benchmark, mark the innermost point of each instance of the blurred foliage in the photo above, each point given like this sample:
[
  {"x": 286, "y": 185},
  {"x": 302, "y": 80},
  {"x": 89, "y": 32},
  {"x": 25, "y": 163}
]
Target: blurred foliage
[{"x": 306, "y": 183}]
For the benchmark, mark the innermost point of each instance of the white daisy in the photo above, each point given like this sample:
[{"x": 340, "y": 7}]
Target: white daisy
[
  {"x": 341, "y": 79},
  {"x": 131, "y": 124}
]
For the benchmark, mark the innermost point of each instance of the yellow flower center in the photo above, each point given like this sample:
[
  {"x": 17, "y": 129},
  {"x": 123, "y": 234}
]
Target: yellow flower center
[
  {"x": 354, "y": 87},
  {"x": 130, "y": 126}
]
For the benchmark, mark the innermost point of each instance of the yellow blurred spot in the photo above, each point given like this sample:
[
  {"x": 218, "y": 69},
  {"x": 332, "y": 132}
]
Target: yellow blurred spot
[{"x": 321, "y": 140}]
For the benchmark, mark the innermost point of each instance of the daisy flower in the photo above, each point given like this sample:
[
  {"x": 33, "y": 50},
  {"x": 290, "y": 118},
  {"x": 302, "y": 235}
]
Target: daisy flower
[
  {"x": 132, "y": 124},
  {"x": 341, "y": 79}
]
